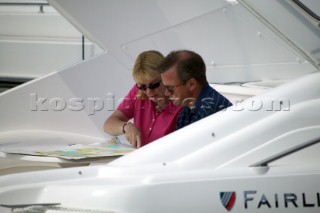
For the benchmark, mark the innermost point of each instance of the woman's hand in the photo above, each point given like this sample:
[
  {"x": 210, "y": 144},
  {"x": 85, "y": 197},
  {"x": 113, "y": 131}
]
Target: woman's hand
[{"x": 132, "y": 134}]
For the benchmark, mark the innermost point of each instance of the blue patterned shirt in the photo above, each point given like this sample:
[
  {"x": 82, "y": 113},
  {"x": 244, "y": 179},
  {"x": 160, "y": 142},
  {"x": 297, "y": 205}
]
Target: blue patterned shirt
[{"x": 209, "y": 102}]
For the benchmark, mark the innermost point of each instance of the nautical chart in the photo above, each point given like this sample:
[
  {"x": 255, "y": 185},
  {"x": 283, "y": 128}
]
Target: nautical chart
[{"x": 70, "y": 151}]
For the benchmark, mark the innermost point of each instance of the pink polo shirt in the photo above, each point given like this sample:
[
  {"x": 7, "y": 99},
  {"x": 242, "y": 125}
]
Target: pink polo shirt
[{"x": 152, "y": 123}]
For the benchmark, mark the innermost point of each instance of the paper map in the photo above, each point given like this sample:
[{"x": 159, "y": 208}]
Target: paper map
[{"x": 111, "y": 147}]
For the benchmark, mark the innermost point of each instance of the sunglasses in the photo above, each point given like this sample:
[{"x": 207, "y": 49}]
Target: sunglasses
[
  {"x": 144, "y": 87},
  {"x": 171, "y": 89}
]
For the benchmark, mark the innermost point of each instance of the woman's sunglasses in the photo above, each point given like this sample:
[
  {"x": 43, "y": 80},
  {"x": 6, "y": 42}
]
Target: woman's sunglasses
[{"x": 144, "y": 87}]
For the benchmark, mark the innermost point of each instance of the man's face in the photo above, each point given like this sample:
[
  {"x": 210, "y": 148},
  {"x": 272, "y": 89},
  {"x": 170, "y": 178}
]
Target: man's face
[{"x": 177, "y": 91}]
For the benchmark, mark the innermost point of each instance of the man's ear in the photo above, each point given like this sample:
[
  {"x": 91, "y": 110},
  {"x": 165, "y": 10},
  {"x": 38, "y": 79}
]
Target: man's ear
[{"x": 192, "y": 83}]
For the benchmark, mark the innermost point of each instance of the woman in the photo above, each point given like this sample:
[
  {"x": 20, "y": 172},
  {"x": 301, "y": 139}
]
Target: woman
[{"x": 153, "y": 113}]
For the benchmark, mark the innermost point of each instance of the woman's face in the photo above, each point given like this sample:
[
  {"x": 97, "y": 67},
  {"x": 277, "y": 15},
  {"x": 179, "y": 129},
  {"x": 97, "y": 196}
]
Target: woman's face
[{"x": 153, "y": 89}]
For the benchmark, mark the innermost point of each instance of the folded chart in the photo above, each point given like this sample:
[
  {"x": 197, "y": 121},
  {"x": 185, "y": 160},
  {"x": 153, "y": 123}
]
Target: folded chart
[{"x": 54, "y": 147}]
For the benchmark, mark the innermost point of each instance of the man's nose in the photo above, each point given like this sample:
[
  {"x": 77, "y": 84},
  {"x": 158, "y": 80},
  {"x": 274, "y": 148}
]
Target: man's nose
[{"x": 167, "y": 93}]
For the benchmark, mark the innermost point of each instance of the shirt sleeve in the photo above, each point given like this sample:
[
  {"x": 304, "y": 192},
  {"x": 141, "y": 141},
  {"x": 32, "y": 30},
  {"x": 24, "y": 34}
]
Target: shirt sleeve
[{"x": 127, "y": 106}]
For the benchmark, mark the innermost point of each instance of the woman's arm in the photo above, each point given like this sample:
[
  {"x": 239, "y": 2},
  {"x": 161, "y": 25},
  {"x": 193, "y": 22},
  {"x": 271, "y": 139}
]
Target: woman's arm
[{"x": 115, "y": 125}]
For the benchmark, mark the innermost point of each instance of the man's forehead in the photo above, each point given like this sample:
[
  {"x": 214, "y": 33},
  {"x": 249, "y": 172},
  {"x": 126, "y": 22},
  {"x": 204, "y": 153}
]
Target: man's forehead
[
  {"x": 171, "y": 72},
  {"x": 169, "y": 76}
]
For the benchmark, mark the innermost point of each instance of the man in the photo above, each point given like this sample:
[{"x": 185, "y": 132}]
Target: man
[{"x": 183, "y": 74}]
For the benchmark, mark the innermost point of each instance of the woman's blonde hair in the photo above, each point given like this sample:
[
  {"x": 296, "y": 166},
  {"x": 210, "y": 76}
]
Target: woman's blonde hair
[{"x": 145, "y": 67}]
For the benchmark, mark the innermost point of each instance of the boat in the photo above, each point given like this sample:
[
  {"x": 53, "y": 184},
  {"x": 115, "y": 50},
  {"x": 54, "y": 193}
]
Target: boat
[{"x": 260, "y": 155}]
